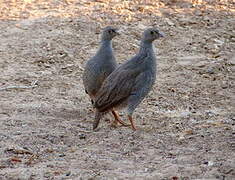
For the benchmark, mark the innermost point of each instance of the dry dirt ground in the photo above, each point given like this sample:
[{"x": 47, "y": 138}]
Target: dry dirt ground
[{"x": 185, "y": 125}]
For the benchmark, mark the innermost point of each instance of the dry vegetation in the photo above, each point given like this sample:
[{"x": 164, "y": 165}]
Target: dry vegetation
[{"x": 186, "y": 124}]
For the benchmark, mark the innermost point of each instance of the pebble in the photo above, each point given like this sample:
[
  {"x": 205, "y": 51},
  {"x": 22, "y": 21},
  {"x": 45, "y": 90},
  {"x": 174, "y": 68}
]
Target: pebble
[
  {"x": 68, "y": 173},
  {"x": 185, "y": 114},
  {"x": 169, "y": 22},
  {"x": 141, "y": 26},
  {"x": 210, "y": 163},
  {"x": 24, "y": 175},
  {"x": 210, "y": 70},
  {"x": 62, "y": 155},
  {"x": 231, "y": 61},
  {"x": 82, "y": 136}
]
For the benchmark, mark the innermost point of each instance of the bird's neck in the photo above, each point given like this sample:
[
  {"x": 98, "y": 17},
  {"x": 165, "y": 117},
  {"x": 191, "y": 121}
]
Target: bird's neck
[
  {"x": 105, "y": 43},
  {"x": 146, "y": 47},
  {"x": 105, "y": 50},
  {"x": 105, "y": 47},
  {"x": 147, "y": 50}
]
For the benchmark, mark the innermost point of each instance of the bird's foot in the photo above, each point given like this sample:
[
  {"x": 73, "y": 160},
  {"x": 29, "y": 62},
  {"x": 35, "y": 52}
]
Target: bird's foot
[{"x": 121, "y": 122}]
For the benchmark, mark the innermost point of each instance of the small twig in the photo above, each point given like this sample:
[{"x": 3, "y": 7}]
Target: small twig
[
  {"x": 85, "y": 131},
  {"x": 18, "y": 151},
  {"x": 33, "y": 85}
]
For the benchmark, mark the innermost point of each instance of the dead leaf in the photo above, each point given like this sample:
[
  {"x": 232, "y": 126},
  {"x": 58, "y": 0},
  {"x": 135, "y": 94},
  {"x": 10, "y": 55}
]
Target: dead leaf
[{"x": 15, "y": 160}]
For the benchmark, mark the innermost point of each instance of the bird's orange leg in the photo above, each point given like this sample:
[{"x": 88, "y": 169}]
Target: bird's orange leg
[
  {"x": 132, "y": 123},
  {"x": 117, "y": 119}
]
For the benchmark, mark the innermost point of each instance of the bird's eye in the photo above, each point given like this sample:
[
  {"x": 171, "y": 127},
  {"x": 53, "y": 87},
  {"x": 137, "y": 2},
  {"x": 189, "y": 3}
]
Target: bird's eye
[
  {"x": 111, "y": 31},
  {"x": 152, "y": 32}
]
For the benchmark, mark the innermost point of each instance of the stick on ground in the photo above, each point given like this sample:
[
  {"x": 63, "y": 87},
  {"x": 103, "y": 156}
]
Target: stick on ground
[{"x": 33, "y": 85}]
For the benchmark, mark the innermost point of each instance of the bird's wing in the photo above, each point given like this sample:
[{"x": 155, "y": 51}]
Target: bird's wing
[
  {"x": 93, "y": 78},
  {"x": 117, "y": 87},
  {"x": 114, "y": 90}
]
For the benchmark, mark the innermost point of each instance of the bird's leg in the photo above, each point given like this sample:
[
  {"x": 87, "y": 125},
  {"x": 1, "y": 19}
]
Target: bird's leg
[
  {"x": 97, "y": 119},
  {"x": 132, "y": 123},
  {"x": 117, "y": 119},
  {"x": 92, "y": 101}
]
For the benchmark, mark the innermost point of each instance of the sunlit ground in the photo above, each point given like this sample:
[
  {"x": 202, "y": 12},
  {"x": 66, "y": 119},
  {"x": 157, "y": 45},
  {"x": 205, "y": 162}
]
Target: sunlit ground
[
  {"x": 108, "y": 9},
  {"x": 185, "y": 124}
]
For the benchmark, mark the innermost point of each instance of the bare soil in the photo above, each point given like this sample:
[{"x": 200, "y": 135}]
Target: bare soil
[{"x": 185, "y": 125}]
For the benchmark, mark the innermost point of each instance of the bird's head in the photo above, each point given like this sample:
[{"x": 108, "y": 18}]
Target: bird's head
[
  {"x": 151, "y": 34},
  {"x": 109, "y": 33}
]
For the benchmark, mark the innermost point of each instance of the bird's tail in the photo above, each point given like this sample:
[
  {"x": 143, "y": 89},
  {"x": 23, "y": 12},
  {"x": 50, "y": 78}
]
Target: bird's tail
[{"x": 98, "y": 116}]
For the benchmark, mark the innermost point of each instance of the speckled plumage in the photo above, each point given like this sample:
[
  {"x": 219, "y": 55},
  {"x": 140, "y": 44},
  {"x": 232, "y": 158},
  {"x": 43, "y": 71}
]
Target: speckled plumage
[
  {"x": 127, "y": 86},
  {"x": 99, "y": 67}
]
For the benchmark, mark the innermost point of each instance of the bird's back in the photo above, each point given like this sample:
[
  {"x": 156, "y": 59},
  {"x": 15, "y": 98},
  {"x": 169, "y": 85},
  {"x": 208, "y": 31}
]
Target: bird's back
[
  {"x": 122, "y": 82},
  {"x": 97, "y": 70}
]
